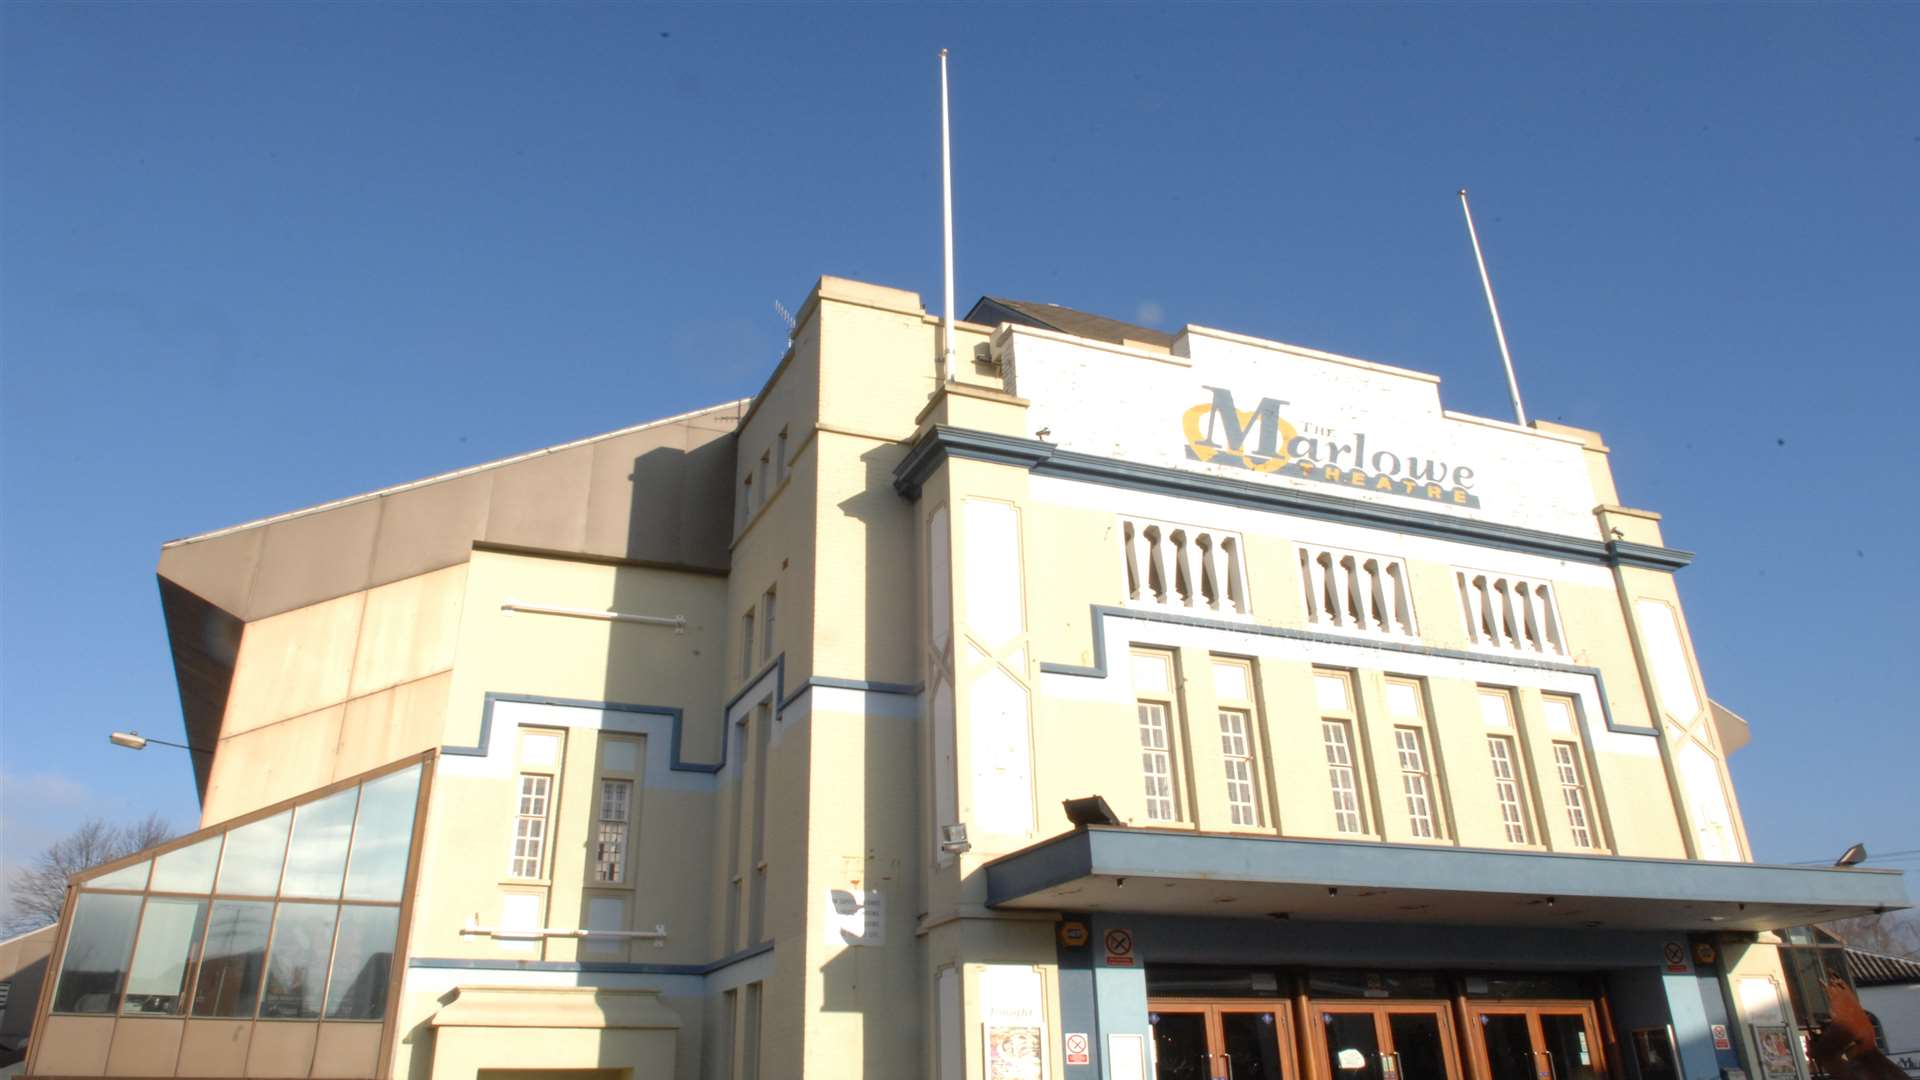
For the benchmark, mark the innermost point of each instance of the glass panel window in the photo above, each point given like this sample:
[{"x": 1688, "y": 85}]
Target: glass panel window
[
  {"x": 127, "y": 877},
  {"x": 362, "y": 963},
  {"x": 230, "y": 964},
  {"x": 1156, "y": 760},
  {"x": 610, "y": 847},
  {"x": 383, "y": 836},
  {"x": 188, "y": 869},
  {"x": 251, "y": 864},
  {"x": 1415, "y": 780},
  {"x": 1573, "y": 790},
  {"x": 1236, "y": 754},
  {"x": 297, "y": 967},
  {"x": 168, "y": 932},
  {"x": 1337, "y": 739},
  {"x": 98, "y": 942},
  {"x": 1506, "y": 788},
  {"x": 530, "y": 826},
  {"x": 767, "y": 605},
  {"x": 317, "y": 857}
]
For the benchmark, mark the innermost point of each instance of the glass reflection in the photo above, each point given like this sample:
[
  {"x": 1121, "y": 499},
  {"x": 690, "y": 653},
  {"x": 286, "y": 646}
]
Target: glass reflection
[
  {"x": 97, "y": 948},
  {"x": 383, "y": 836},
  {"x": 317, "y": 857},
  {"x": 188, "y": 869},
  {"x": 168, "y": 931},
  {"x": 362, "y": 963},
  {"x": 230, "y": 967},
  {"x": 297, "y": 968},
  {"x": 127, "y": 877},
  {"x": 251, "y": 865}
]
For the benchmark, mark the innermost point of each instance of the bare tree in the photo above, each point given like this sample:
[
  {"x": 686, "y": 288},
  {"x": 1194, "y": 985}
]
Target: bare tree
[
  {"x": 1896, "y": 933},
  {"x": 40, "y": 887}
]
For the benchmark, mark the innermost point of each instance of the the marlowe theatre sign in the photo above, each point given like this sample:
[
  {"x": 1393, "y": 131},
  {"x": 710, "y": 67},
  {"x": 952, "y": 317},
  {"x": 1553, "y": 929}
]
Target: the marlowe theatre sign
[{"x": 1261, "y": 440}]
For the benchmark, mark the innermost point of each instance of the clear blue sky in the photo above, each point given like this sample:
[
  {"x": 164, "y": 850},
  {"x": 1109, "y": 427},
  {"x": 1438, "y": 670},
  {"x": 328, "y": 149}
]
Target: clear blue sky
[{"x": 260, "y": 256}]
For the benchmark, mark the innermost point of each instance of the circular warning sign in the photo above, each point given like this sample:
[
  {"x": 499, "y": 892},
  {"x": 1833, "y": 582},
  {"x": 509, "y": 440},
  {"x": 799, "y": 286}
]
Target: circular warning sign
[
  {"x": 1073, "y": 933},
  {"x": 1119, "y": 942},
  {"x": 1076, "y": 1043},
  {"x": 1676, "y": 957}
]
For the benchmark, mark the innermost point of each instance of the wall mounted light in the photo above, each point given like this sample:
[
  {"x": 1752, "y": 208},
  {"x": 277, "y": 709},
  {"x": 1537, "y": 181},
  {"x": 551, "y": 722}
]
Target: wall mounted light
[{"x": 953, "y": 840}]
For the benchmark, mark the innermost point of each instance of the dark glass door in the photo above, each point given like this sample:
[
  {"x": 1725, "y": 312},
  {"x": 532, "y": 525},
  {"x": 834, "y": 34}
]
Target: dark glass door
[
  {"x": 1508, "y": 1040},
  {"x": 1230, "y": 1039},
  {"x": 1352, "y": 1040},
  {"x": 1420, "y": 1050},
  {"x": 1181, "y": 1044},
  {"x": 1398, "y": 1041},
  {"x": 1568, "y": 1045},
  {"x": 1253, "y": 1042},
  {"x": 1546, "y": 1041}
]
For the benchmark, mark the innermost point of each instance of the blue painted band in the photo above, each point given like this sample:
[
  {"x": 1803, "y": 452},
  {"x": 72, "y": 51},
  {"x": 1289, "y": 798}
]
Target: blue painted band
[
  {"x": 830, "y": 683},
  {"x": 599, "y": 966},
  {"x": 673, "y": 713},
  {"x": 1101, "y": 612},
  {"x": 1045, "y": 459}
]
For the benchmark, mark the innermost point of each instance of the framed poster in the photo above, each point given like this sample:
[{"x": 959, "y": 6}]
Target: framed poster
[
  {"x": 1775, "y": 1044},
  {"x": 1013, "y": 1052},
  {"x": 1653, "y": 1053}
]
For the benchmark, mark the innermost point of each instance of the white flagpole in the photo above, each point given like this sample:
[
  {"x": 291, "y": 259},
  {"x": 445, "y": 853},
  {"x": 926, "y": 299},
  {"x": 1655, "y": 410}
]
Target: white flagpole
[
  {"x": 1513, "y": 384},
  {"x": 946, "y": 193}
]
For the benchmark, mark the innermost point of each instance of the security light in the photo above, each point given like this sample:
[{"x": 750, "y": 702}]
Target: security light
[
  {"x": 953, "y": 839},
  {"x": 1092, "y": 810}
]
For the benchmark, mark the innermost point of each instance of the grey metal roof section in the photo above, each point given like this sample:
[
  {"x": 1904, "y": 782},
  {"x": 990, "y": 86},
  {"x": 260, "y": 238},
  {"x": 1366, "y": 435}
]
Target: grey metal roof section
[
  {"x": 1154, "y": 871},
  {"x": 994, "y": 310},
  {"x": 1878, "y": 969},
  {"x": 657, "y": 494}
]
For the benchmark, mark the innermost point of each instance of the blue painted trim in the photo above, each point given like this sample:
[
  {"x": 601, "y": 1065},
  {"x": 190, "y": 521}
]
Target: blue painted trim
[
  {"x": 831, "y": 683},
  {"x": 599, "y": 966},
  {"x": 671, "y": 712},
  {"x": 1163, "y": 854},
  {"x": 1045, "y": 459},
  {"x": 1099, "y": 670}
]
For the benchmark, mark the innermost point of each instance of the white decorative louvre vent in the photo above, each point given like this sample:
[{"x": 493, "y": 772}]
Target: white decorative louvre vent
[
  {"x": 1183, "y": 568},
  {"x": 1354, "y": 591},
  {"x": 1506, "y": 612}
]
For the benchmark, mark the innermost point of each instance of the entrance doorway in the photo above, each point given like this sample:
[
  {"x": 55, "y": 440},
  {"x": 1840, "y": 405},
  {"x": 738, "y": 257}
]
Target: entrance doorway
[
  {"x": 1400, "y": 1041},
  {"x": 1234, "y": 1039},
  {"x": 1557, "y": 1040}
]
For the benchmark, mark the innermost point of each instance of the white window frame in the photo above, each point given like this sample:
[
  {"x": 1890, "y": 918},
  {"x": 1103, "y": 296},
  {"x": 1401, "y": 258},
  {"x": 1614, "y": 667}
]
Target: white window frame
[
  {"x": 1416, "y": 781},
  {"x": 1509, "y": 787},
  {"x": 534, "y": 839},
  {"x": 624, "y": 840},
  {"x": 1576, "y": 795}
]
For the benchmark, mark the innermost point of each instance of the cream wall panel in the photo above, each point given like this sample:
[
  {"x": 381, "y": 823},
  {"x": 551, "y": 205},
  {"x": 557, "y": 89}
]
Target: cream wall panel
[
  {"x": 392, "y": 724},
  {"x": 281, "y": 1049},
  {"x": 215, "y": 1048},
  {"x": 347, "y": 1051},
  {"x": 293, "y": 663},
  {"x": 865, "y": 573},
  {"x": 73, "y": 1046},
  {"x": 144, "y": 1046},
  {"x": 266, "y": 765},
  {"x": 409, "y": 629}
]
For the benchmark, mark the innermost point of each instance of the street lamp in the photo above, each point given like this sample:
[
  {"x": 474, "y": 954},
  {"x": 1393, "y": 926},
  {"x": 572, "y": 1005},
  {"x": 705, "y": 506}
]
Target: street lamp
[{"x": 133, "y": 740}]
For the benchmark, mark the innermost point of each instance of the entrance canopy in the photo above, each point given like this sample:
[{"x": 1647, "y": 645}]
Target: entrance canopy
[{"x": 1175, "y": 873}]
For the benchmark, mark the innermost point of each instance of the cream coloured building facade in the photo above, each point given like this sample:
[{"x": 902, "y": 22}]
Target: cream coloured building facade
[{"x": 741, "y": 745}]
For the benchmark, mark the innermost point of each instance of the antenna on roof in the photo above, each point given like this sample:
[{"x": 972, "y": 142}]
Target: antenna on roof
[
  {"x": 786, "y": 316},
  {"x": 946, "y": 195},
  {"x": 1513, "y": 385}
]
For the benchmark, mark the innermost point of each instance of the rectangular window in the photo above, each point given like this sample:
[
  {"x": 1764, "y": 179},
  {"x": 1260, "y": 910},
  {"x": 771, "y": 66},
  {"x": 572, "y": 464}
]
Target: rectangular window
[
  {"x": 1573, "y": 789},
  {"x": 297, "y": 964},
  {"x": 610, "y": 845},
  {"x": 168, "y": 932},
  {"x": 746, "y": 644},
  {"x": 766, "y": 628},
  {"x": 1406, "y": 705},
  {"x": 780, "y": 457},
  {"x": 1337, "y": 738},
  {"x": 1153, "y": 709},
  {"x": 530, "y": 826},
  {"x": 766, "y": 476},
  {"x": 757, "y": 872},
  {"x": 99, "y": 942},
  {"x": 1239, "y": 732},
  {"x": 1507, "y": 789},
  {"x": 1333, "y": 692},
  {"x": 729, "y": 1027},
  {"x": 750, "y": 1033},
  {"x": 1415, "y": 780},
  {"x": 230, "y": 962}
]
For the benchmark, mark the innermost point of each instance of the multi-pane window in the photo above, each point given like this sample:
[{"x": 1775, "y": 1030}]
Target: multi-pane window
[
  {"x": 1153, "y": 687},
  {"x": 1509, "y": 772},
  {"x": 1233, "y": 694},
  {"x": 1357, "y": 591},
  {"x": 766, "y": 625},
  {"x": 1406, "y": 705},
  {"x": 1156, "y": 760},
  {"x": 1333, "y": 693},
  {"x": 766, "y": 475},
  {"x": 746, "y": 644},
  {"x": 311, "y": 936},
  {"x": 610, "y": 843},
  {"x": 1506, "y": 787},
  {"x": 1573, "y": 789},
  {"x": 530, "y": 825},
  {"x": 780, "y": 457}
]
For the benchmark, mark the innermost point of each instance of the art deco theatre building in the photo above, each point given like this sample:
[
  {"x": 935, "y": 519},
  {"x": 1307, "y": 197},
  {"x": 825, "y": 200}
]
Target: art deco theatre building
[{"x": 1114, "y": 705}]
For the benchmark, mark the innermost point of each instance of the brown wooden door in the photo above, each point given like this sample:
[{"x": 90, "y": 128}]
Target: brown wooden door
[
  {"x": 1227, "y": 1039},
  {"x": 1556, "y": 1040},
  {"x": 1382, "y": 1041}
]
